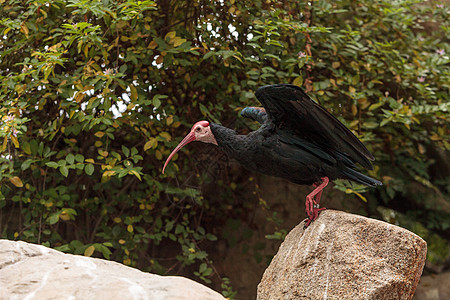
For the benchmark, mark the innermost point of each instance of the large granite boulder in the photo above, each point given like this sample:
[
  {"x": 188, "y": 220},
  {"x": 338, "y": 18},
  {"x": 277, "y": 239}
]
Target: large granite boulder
[
  {"x": 345, "y": 256},
  {"x": 29, "y": 271}
]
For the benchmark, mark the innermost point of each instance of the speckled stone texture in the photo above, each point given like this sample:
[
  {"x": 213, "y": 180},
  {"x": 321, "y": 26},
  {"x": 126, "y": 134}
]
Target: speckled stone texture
[
  {"x": 345, "y": 256},
  {"x": 29, "y": 271}
]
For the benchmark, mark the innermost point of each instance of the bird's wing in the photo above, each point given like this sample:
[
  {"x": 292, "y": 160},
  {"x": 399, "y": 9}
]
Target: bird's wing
[
  {"x": 255, "y": 113},
  {"x": 289, "y": 108}
]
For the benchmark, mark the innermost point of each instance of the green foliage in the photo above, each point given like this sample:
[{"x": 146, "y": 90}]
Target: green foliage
[{"x": 95, "y": 93}]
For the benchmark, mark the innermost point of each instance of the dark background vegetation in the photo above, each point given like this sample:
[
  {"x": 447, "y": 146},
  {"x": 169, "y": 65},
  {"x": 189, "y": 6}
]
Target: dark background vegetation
[{"x": 95, "y": 94}]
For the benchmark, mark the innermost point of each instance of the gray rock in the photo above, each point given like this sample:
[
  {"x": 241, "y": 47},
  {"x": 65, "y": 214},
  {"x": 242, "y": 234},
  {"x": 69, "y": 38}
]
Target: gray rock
[
  {"x": 433, "y": 287},
  {"x": 29, "y": 271},
  {"x": 345, "y": 256}
]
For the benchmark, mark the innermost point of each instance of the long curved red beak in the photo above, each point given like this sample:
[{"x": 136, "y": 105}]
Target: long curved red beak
[{"x": 189, "y": 138}]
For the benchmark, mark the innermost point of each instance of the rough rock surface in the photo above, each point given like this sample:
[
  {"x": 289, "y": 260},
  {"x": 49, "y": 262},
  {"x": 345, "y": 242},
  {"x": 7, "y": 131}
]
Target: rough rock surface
[
  {"x": 29, "y": 271},
  {"x": 345, "y": 256}
]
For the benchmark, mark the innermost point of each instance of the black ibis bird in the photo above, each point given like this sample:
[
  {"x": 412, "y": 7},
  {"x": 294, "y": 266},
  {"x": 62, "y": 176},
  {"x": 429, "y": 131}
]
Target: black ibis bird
[{"x": 298, "y": 140}]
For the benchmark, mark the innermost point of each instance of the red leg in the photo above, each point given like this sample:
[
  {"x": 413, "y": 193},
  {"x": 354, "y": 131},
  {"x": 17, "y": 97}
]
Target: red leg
[
  {"x": 313, "y": 200},
  {"x": 319, "y": 194}
]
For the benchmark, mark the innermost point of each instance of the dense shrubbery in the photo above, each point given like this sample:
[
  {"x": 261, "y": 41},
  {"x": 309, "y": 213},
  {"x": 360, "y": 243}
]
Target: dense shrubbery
[{"x": 95, "y": 93}]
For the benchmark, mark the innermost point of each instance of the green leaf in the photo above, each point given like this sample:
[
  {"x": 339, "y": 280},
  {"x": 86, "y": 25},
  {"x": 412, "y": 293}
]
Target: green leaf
[
  {"x": 26, "y": 148},
  {"x": 179, "y": 229},
  {"x": 169, "y": 225},
  {"x": 53, "y": 219},
  {"x": 385, "y": 121},
  {"x": 105, "y": 251},
  {"x": 202, "y": 268},
  {"x": 125, "y": 151},
  {"x": 64, "y": 171},
  {"x": 26, "y": 164},
  {"x": 207, "y": 272},
  {"x": 70, "y": 158},
  {"x": 208, "y": 54},
  {"x": 89, "y": 169},
  {"x": 157, "y": 100},
  {"x": 134, "y": 151},
  {"x": 211, "y": 237},
  {"x": 79, "y": 158},
  {"x": 52, "y": 164},
  {"x": 135, "y": 173},
  {"x": 156, "y": 103}
]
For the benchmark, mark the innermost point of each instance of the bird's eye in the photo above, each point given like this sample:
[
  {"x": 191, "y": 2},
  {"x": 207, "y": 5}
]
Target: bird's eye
[{"x": 198, "y": 129}]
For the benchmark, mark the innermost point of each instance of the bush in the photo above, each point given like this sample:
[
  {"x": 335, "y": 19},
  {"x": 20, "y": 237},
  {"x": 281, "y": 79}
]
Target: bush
[{"x": 96, "y": 93}]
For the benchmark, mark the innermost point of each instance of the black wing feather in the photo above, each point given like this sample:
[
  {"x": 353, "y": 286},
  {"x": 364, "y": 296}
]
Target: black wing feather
[{"x": 289, "y": 108}]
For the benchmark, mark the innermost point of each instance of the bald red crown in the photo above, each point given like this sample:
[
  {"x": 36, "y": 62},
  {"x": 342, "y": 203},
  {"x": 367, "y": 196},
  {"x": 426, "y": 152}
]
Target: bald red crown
[{"x": 203, "y": 123}]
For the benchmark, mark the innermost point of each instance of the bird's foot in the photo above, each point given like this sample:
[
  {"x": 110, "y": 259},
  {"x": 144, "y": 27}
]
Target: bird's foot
[
  {"x": 313, "y": 200},
  {"x": 313, "y": 214}
]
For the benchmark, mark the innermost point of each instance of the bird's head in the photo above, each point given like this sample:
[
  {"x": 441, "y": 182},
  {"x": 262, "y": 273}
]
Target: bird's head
[{"x": 200, "y": 132}]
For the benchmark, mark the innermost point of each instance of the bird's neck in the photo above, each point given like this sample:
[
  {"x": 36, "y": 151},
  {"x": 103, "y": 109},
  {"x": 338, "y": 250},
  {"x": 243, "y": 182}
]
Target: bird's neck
[{"x": 227, "y": 139}]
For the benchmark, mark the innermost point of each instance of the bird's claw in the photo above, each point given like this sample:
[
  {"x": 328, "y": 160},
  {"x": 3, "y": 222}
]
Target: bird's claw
[
  {"x": 314, "y": 214},
  {"x": 307, "y": 223}
]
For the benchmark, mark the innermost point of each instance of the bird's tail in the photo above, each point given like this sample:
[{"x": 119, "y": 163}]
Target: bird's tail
[{"x": 360, "y": 178}]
